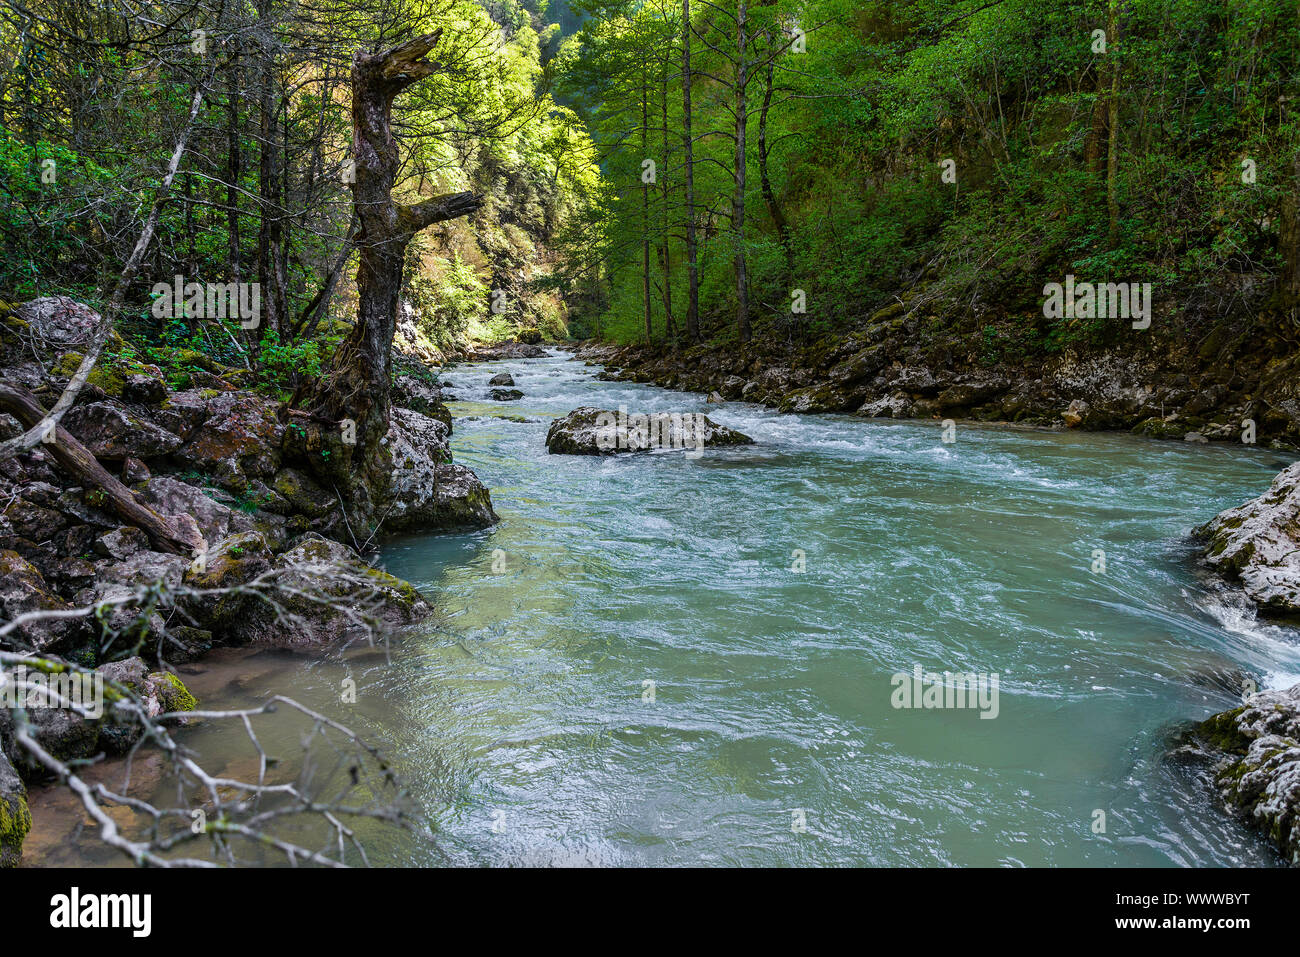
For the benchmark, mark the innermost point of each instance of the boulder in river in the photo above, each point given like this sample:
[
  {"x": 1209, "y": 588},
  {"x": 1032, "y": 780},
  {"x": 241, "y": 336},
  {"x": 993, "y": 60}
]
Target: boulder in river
[
  {"x": 1258, "y": 545},
  {"x": 502, "y": 378},
  {"x": 1259, "y": 773},
  {"x": 591, "y": 431},
  {"x": 507, "y": 395},
  {"x": 426, "y": 491}
]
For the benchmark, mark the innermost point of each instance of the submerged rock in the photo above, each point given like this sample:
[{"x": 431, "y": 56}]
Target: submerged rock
[
  {"x": 591, "y": 431},
  {"x": 1259, "y": 773},
  {"x": 1258, "y": 545},
  {"x": 506, "y": 395}
]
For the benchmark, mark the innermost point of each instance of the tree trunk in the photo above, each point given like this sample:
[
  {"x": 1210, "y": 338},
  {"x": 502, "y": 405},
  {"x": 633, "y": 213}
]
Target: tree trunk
[
  {"x": 358, "y": 386},
  {"x": 1112, "y": 136},
  {"x": 233, "y": 166},
  {"x": 773, "y": 208},
  {"x": 692, "y": 267},
  {"x": 665, "y": 256},
  {"x": 738, "y": 200},
  {"x": 645, "y": 207},
  {"x": 1289, "y": 235}
]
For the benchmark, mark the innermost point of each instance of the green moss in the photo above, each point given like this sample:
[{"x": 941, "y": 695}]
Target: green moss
[
  {"x": 1220, "y": 731},
  {"x": 15, "y": 822},
  {"x": 106, "y": 375},
  {"x": 179, "y": 698}
]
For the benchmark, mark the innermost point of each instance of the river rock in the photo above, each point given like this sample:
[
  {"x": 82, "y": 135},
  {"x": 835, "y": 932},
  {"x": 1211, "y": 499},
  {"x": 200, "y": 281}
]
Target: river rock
[
  {"x": 506, "y": 395},
  {"x": 15, "y": 818},
  {"x": 423, "y": 396},
  {"x": 321, "y": 592},
  {"x": 1076, "y": 414},
  {"x": 509, "y": 350},
  {"x": 1258, "y": 545},
  {"x": 502, "y": 378},
  {"x": 591, "y": 431},
  {"x": 426, "y": 491},
  {"x": 1259, "y": 773}
]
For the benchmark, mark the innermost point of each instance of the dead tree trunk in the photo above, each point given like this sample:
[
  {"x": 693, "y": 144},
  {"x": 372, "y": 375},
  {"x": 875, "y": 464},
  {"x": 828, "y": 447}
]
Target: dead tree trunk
[
  {"x": 358, "y": 386},
  {"x": 167, "y": 534}
]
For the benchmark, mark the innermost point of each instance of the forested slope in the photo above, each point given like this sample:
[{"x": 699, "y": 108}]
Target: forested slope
[{"x": 936, "y": 166}]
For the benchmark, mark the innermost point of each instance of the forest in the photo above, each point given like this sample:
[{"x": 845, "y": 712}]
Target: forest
[{"x": 971, "y": 315}]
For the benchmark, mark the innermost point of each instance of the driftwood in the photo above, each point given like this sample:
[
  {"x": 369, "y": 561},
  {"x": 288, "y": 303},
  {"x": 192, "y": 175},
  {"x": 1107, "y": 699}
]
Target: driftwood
[{"x": 167, "y": 534}]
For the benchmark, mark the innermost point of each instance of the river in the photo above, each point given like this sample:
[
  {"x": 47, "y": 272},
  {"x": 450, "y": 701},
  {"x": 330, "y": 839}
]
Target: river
[{"x": 665, "y": 660}]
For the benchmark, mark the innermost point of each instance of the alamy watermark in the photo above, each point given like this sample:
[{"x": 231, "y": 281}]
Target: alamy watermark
[
  {"x": 208, "y": 300},
  {"x": 24, "y": 688},
  {"x": 946, "y": 690},
  {"x": 1106, "y": 300},
  {"x": 661, "y": 430}
]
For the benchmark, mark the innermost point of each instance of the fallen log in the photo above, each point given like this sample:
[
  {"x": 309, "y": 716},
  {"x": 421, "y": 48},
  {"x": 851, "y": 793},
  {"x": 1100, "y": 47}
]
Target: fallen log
[{"x": 167, "y": 534}]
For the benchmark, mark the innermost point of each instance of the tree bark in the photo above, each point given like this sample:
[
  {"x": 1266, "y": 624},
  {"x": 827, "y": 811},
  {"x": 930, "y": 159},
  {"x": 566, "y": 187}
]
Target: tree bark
[
  {"x": 773, "y": 208},
  {"x": 1289, "y": 234},
  {"x": 1112, "y": 135},
  {"x": 233, "y": 166},
  {"x": 665, "y": 255},
  {"x": 692, "y": 267},
  {"x": 645, "y": 207}
]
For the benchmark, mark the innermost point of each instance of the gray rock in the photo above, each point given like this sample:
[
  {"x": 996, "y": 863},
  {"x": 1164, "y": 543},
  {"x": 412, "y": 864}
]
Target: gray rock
[
  {"x": 591, "y": 431},
  {"x": 506, "y": 395},
  {"x": 419, "y": 395},
  {"x": 426, "y": 491},
  {"x": 1259, "y": 774},
  {"x": 1076, "y": 414},
  {"x": 58, "y": 320},
  {"x": 321, "y": 592},
  {"x": 134, "y": 471},
  {"x": 1258, "y": 545},
  {"x": 144, "y": 389},
  {"x": 22, "y": 590},
  {"x": 173, "y": 497},
  {"x": 109, "y": 431},
  {"x": 122, "y": 543},
  {"x": 502, "y": 378}
]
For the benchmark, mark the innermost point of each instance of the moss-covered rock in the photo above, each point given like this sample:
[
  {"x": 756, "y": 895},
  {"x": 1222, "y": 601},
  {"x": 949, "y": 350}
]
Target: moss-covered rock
[
  {"x": 1258, "y": 545},
  {"x": 1258, "y": 773},
  {"x": 15, "y": 817},
  {"x": 171, "y": 693}
]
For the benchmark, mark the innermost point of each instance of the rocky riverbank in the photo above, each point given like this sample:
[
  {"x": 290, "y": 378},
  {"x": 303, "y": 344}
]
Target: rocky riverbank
[
  {"x": 1223, "y": 388},
  {"x": 1256, "y": 747},
  {"x": 279, "y": 561}
]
